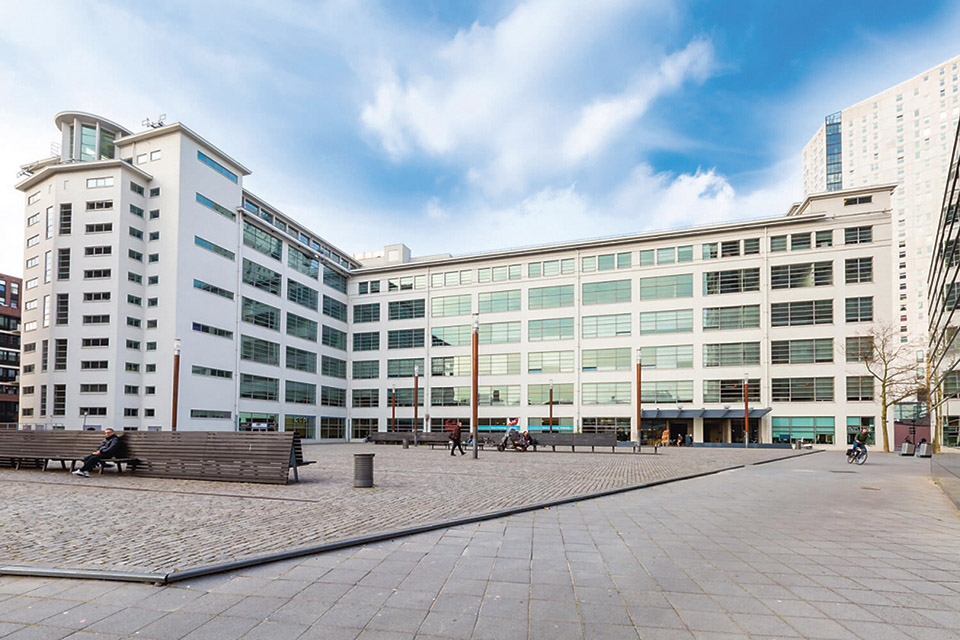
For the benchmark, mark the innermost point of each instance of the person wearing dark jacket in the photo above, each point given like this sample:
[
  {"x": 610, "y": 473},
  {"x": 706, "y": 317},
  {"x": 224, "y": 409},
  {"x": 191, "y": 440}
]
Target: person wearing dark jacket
[
  {"x": 455, "y": 440},
  {"x": 109, "y": 448}
]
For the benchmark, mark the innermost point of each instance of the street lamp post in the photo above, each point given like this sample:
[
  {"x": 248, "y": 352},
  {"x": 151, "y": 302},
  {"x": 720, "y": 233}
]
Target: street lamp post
[
  {"x": 639, "y": 364},
  {"x": 746, "y": 410},
  {"x": 474, "y": 418},
  {"x": 393, "y": 420},
  {"x": 416, "y": 397},
  {"x": 551, "y": 406},
  {"x": 176, "y": 384}
]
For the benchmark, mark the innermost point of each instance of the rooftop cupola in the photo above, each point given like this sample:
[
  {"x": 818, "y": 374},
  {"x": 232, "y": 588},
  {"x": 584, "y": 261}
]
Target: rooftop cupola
[{"x": 86, "y": 137}]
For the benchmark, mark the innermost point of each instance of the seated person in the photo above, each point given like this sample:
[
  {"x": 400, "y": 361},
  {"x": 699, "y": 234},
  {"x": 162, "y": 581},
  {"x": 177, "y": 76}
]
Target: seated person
[{"x": 109, "y": 448}]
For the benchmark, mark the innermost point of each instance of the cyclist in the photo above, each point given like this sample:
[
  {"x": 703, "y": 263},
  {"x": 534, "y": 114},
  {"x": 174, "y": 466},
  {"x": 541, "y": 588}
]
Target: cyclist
[{"x": 860, "y": 442}]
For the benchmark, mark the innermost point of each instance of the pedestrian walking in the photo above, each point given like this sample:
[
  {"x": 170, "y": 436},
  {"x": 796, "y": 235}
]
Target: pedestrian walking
[{"x": 455, "y": 440}]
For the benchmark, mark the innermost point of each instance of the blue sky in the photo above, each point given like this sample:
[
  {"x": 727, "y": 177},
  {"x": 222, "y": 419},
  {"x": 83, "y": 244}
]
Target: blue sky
[{"x": 458, "y": 126}]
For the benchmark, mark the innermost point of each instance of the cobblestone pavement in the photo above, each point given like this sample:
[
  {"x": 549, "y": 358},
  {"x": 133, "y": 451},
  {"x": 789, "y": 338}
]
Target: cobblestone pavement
[
  {"x": 126, "y": 523},
  {"x": 807, "y": 548}
]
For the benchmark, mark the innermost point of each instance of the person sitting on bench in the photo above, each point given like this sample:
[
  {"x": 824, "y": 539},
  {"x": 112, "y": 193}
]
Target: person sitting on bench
[{"x": 109, "y": 448}]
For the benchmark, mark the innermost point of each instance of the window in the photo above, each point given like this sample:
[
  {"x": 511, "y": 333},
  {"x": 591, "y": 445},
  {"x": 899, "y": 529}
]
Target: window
[
  {"x": 105, "y": 250},
  {"x": 824, "y": 238},
  {"x": 134, "y": 232},
  {"x": 307, "y": 265},
  {"x": 34, "y": 219},
  {"x": 213, "y": 206},
  {"x": 66, "y": 219},
  {"x": 751, "y": 246},
  {"x": 802, "y": 389},
  {"x": 730, "y": 249},
  {"x": 216, "y": 166},
  {"x": 778, "y": 243},
  {"x": 214, "y": 331},
  {"x": 710, "y": 251},
  {"x": 35, "y": 197},
  {"x": 859, "y": 270},
  {"x": 858, "y": 235},
  {"x": 97, "y": 319},
  {"x": 730, "y": 390},
  {"x": 99, "y": 205},
  {"x": 100, "y": 227},
  {"x": 154, "y": 214},
  {"x": 366, "y": 312},
  {"x": 859, "y": 388},
  {"x": 301, "y": 327},
  {"x": 446, "y": 306},
  {"x": 93, "y": 388},
  {"x": 259, "y": 387},
  {"x": 722, "y": 318},
  {"x": 405, "y": 339},
  {"x": 506, "y": 395},
  {"x": 666, "y": 255},
  {"x": 63, "y": 264},
  {"x": 302, "y": 294},
  {"x": 859, "y": 309},
  {"x": 89, "y": 365},
  {"x": 95, "y": 183},
  {"x": 799, "y": 241},
  {"x": 334, "y": 308},
  {"x": 550, "y": 362},
  {"x": 801, "y": 313},
  {"x": 673, "y": 321},
  {"x": 609, "y": 326},
  {"x": 335, "y": 338},
  {"x": 500, "y": 301},
  {"x": 450, "y": 397},
  {"x": 137, "y": 211},
  {"x": 368, "y": 398},
  {"x": 859, "y": 348},
  {"x": 606, "y": 393},
  {"x": 855, "y": 424},
  {"x": 261, "y": 277},
  {"x": 333, "y": 367},
  {"x": 404, "y": 309},
  {"x": 807, "y": 274},
  {"x": 663, "y": 287},
  {"x": 497, "y": 364},
  {"x": 96, "y": 296},
  {"x": 259, "y": 350},
  {"x": 539, "y": 394},
  {"x": 731, "y": 354},
  {"x": 153, "y": 257},
  {"x": 366, "y": 369},
  {"x": 801, "y": 351},
  {"x": 450, "y": 366},
  {"x": 500, "y": 332},
  {"x": 451, "y": 336},
  {"x": 209, "y": 288},
  {"x": 859, "y": 200},
  {"x": 260, "y": 314},
  {"x": 372, "y": 286},
  {"x": 133, "y": 322},
  {"x": 60, "y": 354},
  {"x": 214, "y": 248},
  {"x": 134, "y": 277},
  {"x": 63, "y": 308},
  {"x": 335, "y": 279},
  {"x": 210, "y": 414},
  {"x": 368, "y": 341},
  {"x": 606, "y": 292},
  {"x": 549, "y": 329},
  {"x": 404, "y": 367},
  {"x": 605, "y": 262},
  {"x": 547, "y": 297},
  {"x": 211, "y": 372},
  {"x": 259, "y": 240},
  {"x": 733, "y": 281},
  {"x": 155, "y": 191},
  {"x": 607, "y": 359}
]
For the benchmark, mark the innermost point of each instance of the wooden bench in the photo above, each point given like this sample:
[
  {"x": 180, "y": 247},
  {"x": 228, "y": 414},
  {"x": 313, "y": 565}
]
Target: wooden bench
[
  {"x": 574, "y": 440},
  {"x": 190, "y": 455}
]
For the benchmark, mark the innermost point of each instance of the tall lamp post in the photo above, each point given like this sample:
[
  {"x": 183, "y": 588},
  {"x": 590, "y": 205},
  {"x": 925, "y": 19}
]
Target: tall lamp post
[
  {"x": 639, "y": 364},
  {"x": 416, "y": 397},
  {"x": 746, "y": 410},
  {"x": 176, "y": 384},
  {"x": 474, "y": 417},
  {"x": 393, "y": 420},
  {"x": 551, "y": 406}
]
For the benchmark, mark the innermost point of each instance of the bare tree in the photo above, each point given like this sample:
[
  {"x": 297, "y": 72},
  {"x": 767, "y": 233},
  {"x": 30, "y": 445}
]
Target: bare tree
[{"x": 893, "y": 366}]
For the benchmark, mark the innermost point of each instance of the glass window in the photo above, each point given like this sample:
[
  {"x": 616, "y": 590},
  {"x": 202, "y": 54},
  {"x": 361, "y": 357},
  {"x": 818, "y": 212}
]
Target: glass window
[
  {"x": 366, "y": 341},
  {"x": 801, "y": 313},
  {"x": 447, "y": 306},
  {"x": 498, "y": 301},
  {"x": 799, "y": 241},
  {"x": 548, "y": 297},
  {"x": 665, "y": 391},
  {"x": 672, "y": 321},
  {"x": 610, "y": 292},
  {"x": 258, "y": 350},
  {"x": 261, "y": 277},
  {"x": 550, "y": 329},
  {"x": 260, "y": 314},
  {"x": 550, "y": 362},
  {"x": 305, "y": 264},
  {"x": 778, "y": 243},
  {"x": 663, "y": 287},
  {"x": 457, "y": 335},
  {"x": 303, "y": 295},
  {"x": 802, "y": 389},
  {"x": 647, "y": 257},
  {"x": 606, "y": 262},
  {"x": 731, "y": 354},
  {"x": 608, "y": 326},
  {"x": 731, "y": 390},
  {"x": 801, "y": 351},
  {"x": 685, "y": 253},
  {"x": 607, "y": 359},
  {"x": 539, "y": 394},
  {"x": 732, "y": 281},
  {"x": 859, "y": 309},
  {"x": 405, "y": 338},
  {"x": 406, "y": 309},
  {"x": 501, "y": 332}
]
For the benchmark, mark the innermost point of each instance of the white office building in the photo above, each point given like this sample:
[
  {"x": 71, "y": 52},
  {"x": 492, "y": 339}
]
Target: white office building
[
  {"x": 136, "y": 241},
  {"x": 904, "y": 136}
]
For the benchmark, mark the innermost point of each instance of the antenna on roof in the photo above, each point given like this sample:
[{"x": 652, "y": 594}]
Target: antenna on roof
[{"x": 147, "y": 122}]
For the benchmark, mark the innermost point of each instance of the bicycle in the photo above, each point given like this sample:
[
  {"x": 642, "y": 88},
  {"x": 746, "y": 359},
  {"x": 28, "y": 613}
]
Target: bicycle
[{"x": 858, "y": 456}]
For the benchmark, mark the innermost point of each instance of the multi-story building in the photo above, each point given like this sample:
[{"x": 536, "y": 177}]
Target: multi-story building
[
  {"x": 139, "y": 242},
  {"x": 944, "y": 296},
  {"x": 783, "y": 303},
  {"x": 902, "y": 135},
  {"x": 152, "y": 240},
  {"x": 9, "y": 350}
]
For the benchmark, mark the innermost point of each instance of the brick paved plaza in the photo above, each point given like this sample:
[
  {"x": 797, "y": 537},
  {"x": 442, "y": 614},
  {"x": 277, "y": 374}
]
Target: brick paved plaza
[
  {"x": 807, "y": 547},
  {"x": 156, "y": 525}
]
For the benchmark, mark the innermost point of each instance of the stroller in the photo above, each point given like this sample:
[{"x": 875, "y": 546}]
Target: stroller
[{"x": 515, "y": 439}]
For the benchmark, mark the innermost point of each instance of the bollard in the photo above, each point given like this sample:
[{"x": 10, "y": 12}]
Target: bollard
[
  {"x": 406, "y": 443},
  {"x": 363, "y": 470}
]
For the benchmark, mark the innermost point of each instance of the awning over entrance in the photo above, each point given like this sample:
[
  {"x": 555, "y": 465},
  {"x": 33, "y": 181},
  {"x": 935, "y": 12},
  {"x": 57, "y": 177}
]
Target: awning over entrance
[{"x": 674, "y": 414}]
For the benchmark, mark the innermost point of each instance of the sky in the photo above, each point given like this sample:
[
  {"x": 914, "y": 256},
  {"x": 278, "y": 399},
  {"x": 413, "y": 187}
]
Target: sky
[{"x": 455, "y": 126}]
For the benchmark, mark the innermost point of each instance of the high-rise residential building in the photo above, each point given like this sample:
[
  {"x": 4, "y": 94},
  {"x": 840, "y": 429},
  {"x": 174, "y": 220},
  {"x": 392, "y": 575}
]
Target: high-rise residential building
[
  {"x": 137, "y": 240},
  {"x": 902, "y": 135},
  {"x": 9, "y": 350},
  {"x": 944, "y": 297}
]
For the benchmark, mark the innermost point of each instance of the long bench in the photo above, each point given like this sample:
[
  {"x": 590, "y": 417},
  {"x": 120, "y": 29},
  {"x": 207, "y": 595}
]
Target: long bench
[
  {"x": 574, "y": 440},
  {"x": 190, "y": 455}
]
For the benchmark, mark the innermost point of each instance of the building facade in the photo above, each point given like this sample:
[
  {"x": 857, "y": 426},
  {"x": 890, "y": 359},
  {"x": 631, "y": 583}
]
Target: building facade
[
  {"x": 903, "y": 135},
  {"x": 944, "y": 297},
  {"x": 139, "y": 242},
  {"x": 9, "y": 350}
]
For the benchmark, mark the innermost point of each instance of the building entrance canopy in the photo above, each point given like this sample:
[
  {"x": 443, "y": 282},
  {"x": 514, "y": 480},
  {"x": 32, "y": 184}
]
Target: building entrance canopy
[{"x": 675, "y": 414}]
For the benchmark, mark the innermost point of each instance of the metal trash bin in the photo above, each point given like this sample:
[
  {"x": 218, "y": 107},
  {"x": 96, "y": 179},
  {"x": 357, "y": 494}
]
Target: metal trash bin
[
  {"x": 925, "y": 450},
  {"x": 363, "y": 470},
  {"x": 907, "y": 449},
  {"x": 406, "y": 443}
]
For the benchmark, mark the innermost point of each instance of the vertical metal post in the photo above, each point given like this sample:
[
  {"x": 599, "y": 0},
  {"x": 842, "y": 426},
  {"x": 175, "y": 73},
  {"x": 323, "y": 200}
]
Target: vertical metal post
[
  {"x": 474, "y": 417},
  {"x": 393, "y": 420},
  {"x": 639, "y": 365},
  {"x": 551, "y": 406},
  {"x": 416, "y": 397},
  {"x": 176, "y": 384},
  {"x": 746, "y": 411}
]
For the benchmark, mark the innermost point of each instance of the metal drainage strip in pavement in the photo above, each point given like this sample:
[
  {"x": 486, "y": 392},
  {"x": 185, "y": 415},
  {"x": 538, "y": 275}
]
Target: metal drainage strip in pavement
[{"x": 197, "y": 572}]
